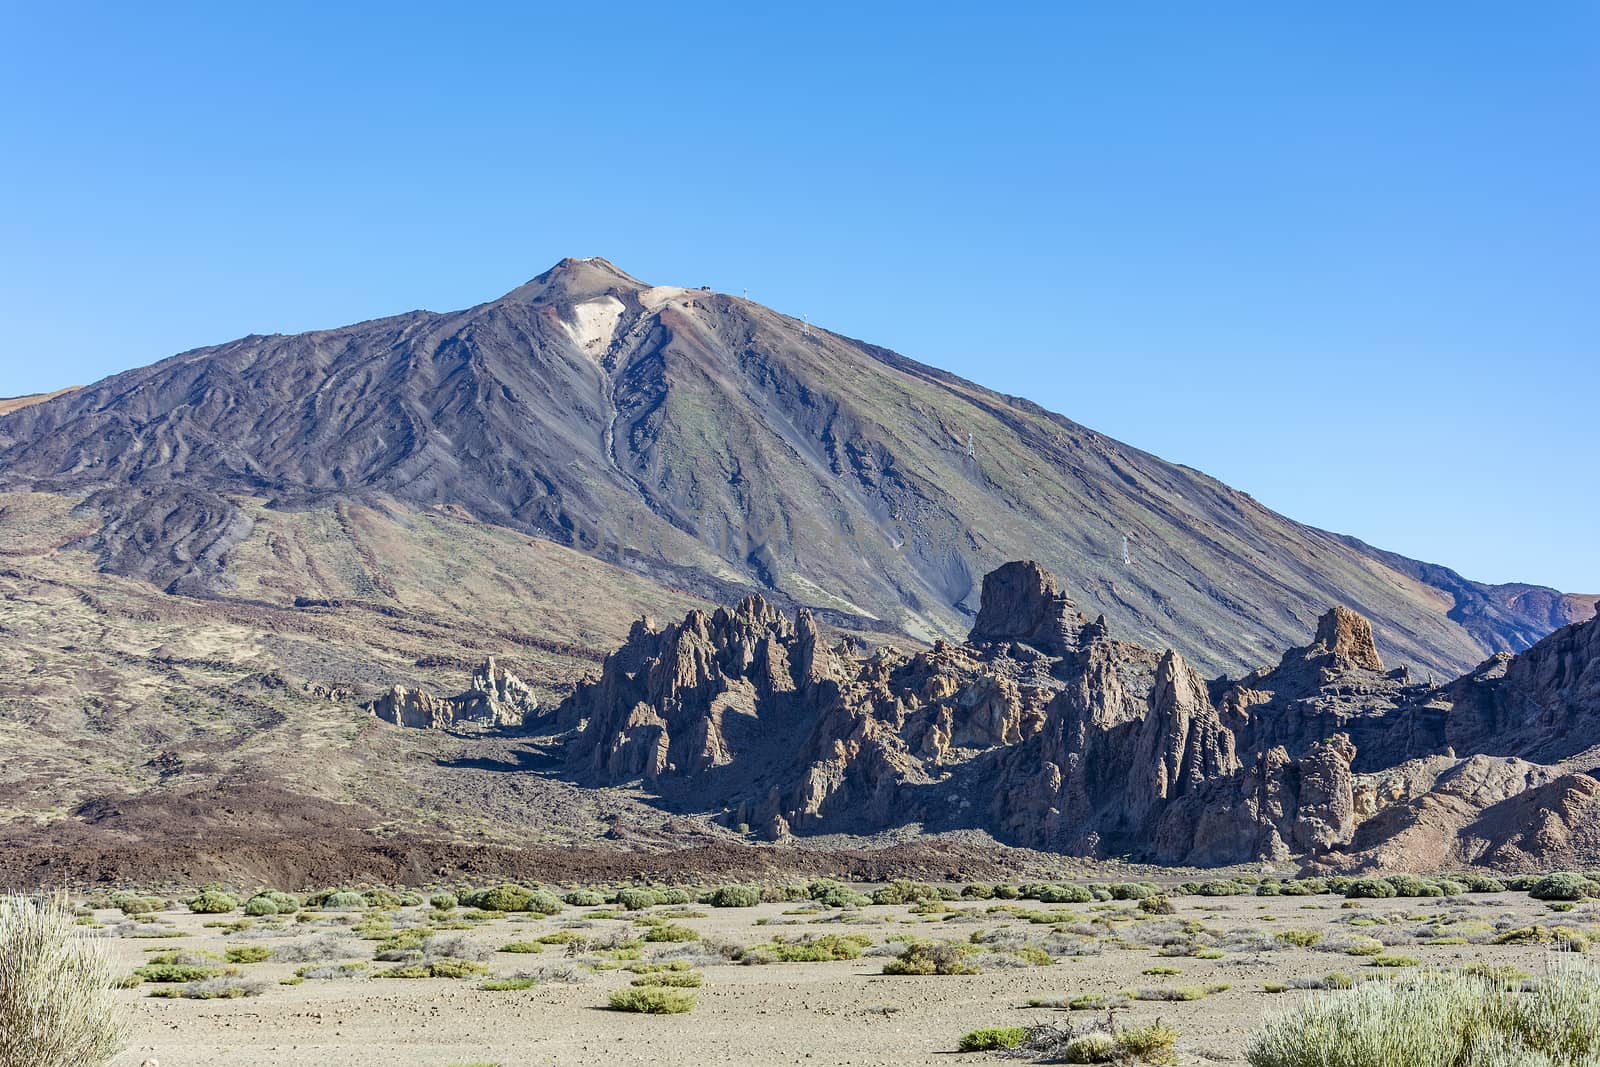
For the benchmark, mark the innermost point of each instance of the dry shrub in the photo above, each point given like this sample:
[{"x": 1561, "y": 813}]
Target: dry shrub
[{"x": 57, "y": 1007}]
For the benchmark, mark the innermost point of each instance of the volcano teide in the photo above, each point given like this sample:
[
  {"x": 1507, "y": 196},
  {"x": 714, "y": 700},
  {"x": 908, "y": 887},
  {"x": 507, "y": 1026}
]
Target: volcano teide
[{"x": 709, "y": 446}]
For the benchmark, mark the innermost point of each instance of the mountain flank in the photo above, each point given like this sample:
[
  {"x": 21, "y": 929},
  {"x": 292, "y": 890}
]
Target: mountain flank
[{"x": 714, "y": 448}]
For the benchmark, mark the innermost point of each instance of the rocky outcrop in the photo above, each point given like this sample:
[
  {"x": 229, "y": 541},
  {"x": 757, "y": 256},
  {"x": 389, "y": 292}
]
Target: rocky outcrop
[
  {"x": 1022, "y": 602},
  {"x": 697, "y": 694},
  {"x": 1048, "y": 732},
  {"x": 1347, "y": 637},
  {"x": 495, "y": 699}
]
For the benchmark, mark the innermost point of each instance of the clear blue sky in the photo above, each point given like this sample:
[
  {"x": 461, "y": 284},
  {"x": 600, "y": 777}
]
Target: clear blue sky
[{"x": 1343, "y": 256}]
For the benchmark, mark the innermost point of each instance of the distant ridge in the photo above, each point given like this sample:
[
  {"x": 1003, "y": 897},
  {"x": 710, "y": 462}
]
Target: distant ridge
[{"x": 8, "y": 404}]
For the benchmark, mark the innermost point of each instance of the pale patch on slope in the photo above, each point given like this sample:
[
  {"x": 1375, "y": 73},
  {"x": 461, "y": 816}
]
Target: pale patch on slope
[{"x": 594, "y": 325}]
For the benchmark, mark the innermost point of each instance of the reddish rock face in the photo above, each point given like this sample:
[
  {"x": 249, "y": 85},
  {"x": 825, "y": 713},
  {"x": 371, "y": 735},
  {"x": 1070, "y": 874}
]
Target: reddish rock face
[{"x": 1052, "y": 734}]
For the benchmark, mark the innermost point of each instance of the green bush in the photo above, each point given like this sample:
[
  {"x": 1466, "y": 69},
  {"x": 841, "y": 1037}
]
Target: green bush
[
  {"x": 174, "y": 972},
  {"x": 1409, "y": 885},
  {"x": 675, "y": 979},
  {"x": 545, "y": 902},
  {"x": 248, "y": 954},
  {"x": 444, "y": 901},
  {"x": 440, "y": 968},
  {"x": 585, "y": 898},
  {"x": 1371, "y": 888},
  {"x": 1159, "y": 904},
  {"x": 734, "y": 896},
  {"x": 670, "y": 932},
  {"x": 212, "y": 902},
  {"x": 635, "y": 899},
  {"x": 1133, "y": 890},
  {"x": 1441, "y": 1019},
  {"x": 1220, "y": 887},
  {"x": 503, "y": 897},
  {"x": 833, "y": 894},
  {"x": 1298, "y": 938},
  {"x": 991, "y": 1038},
  {"x": 507, "y": 985},
  {"x": 932, "y": 957},
  {"x": 901, "y": 891},
  {"x": 652, "y": 1000},
  {"x": 527, "y": 947},
  {"x": 343, "y": 900},
  {"x": 1563, "y": 886},
  {"x": 1058, "y": 894}
]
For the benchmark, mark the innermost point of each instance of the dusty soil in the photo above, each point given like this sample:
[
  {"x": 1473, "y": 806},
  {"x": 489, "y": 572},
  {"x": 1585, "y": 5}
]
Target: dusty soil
[{"x": 817, "y": 1014}]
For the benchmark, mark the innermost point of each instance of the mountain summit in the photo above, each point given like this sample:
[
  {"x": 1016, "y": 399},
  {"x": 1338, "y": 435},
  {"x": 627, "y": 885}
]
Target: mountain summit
[{"x": 716, "y": 447}]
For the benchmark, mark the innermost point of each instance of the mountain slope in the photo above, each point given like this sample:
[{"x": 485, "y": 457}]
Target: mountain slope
[{"x": 713, "y": 446}]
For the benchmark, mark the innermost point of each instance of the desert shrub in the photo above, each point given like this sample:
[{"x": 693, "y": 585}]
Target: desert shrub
[
  {"x": 503, "y": 897},
  {"x": 1409, "y": 885},
  {"x": 1159, "y": 904},
  {"x": 676, "y": 896},
  {"x": 991, "y": 1038},
  {"x": 1522, "y": 883},
  {"x": 444, "y": 901},
  {"x": 932, "y": 957},
  {"x": 1221, "y": 887},
  {"x": 670, "y": 932},
  {"x": 248, "y": 954},
  {"x": 343, "y": 900},
  {"x": 212, "y": 902},
  {"x": 547, "y": 903},
  {"x": 1543, "y": 935},
  {"x": 652, "y": 1000},
  {"x": 313, "y": 949},
  {"x": 381, "y": 898},
  {"x": 507, "y": 985},
  {"x": 218, "y": 988},
  {"x": 1047, "y": 893},
  {"x": 820, "y": 949},
  {"x": 833, "y": 894},
  {"x": 57, "y": 1006},
  {"x": 1563, "y": 886},
  {"x": 1133, "y": 890},
  {"x": 1271, "y": 888},
  {"x": 1007, "y": 892},
  {"x": 1304, "y": 887},
  {"x": 675, "y": 979},
  {"x": 440, "y": 968},
  {"x": 977, "y": 891},
  {"x": 585, "y": 898},
  {"x": 1477, "y": 882},
  {"x": 1391, "y": 959},
  {"x": 734, "y": 896},
  {"x": 1371, "y": 888},
  {"x": 1441, "y": 1019},
  {"x": 902, "y": 891},
  {"x": 525, "y": 947},
  {"x": 635, "y": 899},
  {"x": 1100, "y": 1042},
  {"x": 1298, "y": 938},
  {"x": 174, "y": 972},
  {"x": 133, "y": 904}
]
